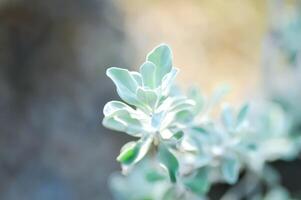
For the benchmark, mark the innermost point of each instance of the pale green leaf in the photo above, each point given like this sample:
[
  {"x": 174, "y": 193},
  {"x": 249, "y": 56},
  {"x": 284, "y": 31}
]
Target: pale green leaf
[
  {"x": 148, "y": 72},
  {"x": 122, "y": 120},
  {"x": 161, "y": 56},
  {"x": 169, "y": 161},
  {"x": 126, "y": 84},
  {"x": 111, "y": 107},
  {"x": 147, "y": 97},
  {"x": 168, "y": 80},
  {"x": 138, "y": 78},
  {"x": 182, "y": 104}
]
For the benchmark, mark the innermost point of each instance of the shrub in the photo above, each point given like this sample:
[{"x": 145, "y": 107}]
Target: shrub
[{"x": 182, "y": 149}]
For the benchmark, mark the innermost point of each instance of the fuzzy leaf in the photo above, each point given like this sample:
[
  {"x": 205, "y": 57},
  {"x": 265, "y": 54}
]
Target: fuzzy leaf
[
  {"x": 168, "y": 80},
  {"x": 161, "y": 56},
  {"x": 148, "y": 70},
  {"x": 147, "y": 97},
  {"x": 126, "y": 84},
  {"x": 111, "y": 107},
  {"x": 120, "y": 117},
  {"x": 137, "y": 77}
]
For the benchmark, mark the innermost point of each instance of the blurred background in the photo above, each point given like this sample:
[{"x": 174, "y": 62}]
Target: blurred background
[{"x": 53, "y": 56}]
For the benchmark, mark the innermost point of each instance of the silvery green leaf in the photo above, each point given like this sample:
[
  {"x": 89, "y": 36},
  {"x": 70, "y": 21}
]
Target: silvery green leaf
[
  {"x": 175, "y": 104},
  {"x": 111, "y": 107},
  {"x": 198, "y": 182},
  {"x": 126, "y": 84},
  {"x": 147, "y": 97},
  {"x": 168, "y": 80},
  {"x": 120, "y": 117},
  {"x": 133, "y": 152},
  {"x": 124, "y": 122},
  {"x": 230, "y": 169},
  {"x": 138, "y": 78},
  {"x": 161, "y": 56},
  {"x": 169, "y": 161},
  {"x": 242, "y": 114},
  {"x": 148, "y": 72},
  {"x": 182, "y": 104}
]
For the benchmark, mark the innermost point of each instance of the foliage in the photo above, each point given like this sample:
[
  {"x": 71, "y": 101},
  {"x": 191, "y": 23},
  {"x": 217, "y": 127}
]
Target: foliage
[{"x": 182, "y": 148}]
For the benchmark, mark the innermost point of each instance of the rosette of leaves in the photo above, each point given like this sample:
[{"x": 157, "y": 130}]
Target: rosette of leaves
[
  {"x": 177, "y": 132},
  {"x": 216, "y": 146},
  {"x": 269, "y": 138},
  {"x": 148, "y": 111},
  {"x": 282, "y": 58},
  {"x": 287, "y": 35}
]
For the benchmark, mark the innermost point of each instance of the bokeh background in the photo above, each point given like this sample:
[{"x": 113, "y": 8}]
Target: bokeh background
[{"x": 53, "y": 56}]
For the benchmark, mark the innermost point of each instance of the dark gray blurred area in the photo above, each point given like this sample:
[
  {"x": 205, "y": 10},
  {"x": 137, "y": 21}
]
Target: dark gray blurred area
[{"x": 53, "y": 56}]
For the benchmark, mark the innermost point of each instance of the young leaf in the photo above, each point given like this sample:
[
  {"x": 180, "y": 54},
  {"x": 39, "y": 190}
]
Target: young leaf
[
  {"x": 120, "y": 117},
  {"x": 138, "y": 78},
  {"x": 148, "y": 70},
  {"x": 169, "y": 161},
  {"x": 147, "y": 97},
  {"x": 126, "y": 84},
  {"x": 161, "y": 56},
  {"x": 182, "y": 104},
  {"x": 168, "y": 80},
  {"x": 111, "y": 107}
]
